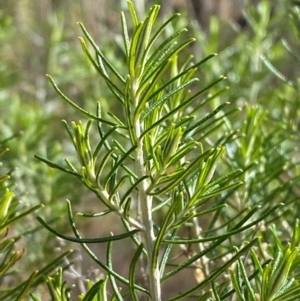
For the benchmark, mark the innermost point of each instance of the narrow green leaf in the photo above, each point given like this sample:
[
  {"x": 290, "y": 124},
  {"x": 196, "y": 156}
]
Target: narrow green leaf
[
  {"x": 248, "y": 286},
  {"x": 133, "y": 52},
  {"x": 102, "y": 213},
  {"x": 159, "y": 31},
  {"x": 102, "y": 141},
  {"x": 98, "y": 288},
  {"x": 102, "y": 294},
  {"x": 127, "y": 207},
  {"x": 165, "y": 56},
  {"x": 125, "y": 34},
  {"x": 101, "y": 166},
  {"x": 132, "y": 187},
  {"x": 34, "y": 297},
  {"x": 296, "y": 234},
  {"x": 165, "y": 255},
  {"x": 160, "y": 53},
  {"x": 179, "y": 76},
  {"x": 216, "y": 190},
  {"x": 172, "y": 176},
  {"x": 112, "y": 86},
  {"x": 96, "y": 48},
  {"x": 161, "y": 204},
  {"x": 183, "y": 221},
  {"x": 215, "y": 291},
  {"x": 288, "y": 293},
  {"x": 140, "y": 49},
  {"x": 100, "y": 64},
  {"x": 149, "y": 86},
  {"x": 171, "y": 144},
  {"x": 64, "y": 97},
  {"x": 182, "y": 152},
  {"x": 71, "y": 166},
  {"x": 122, "y": 149},
  {"x": 114, "y": 190},
  {"x": 207, "y": 117},
  {"x": 175, "y": 110},
  {"x": 132, "y": 272},
  {"x": 113, "y": 283},
  {"x": 210, "y": 210},
  {"x": 28, "y": 284},
  {"x": 118, "y": 163},
  {"x": 20, "y": 216},
  {"x": 150, "y": 20},
  {"x": 289, "y": 49},
  {"x": 112, "y": 182},
  {"x": 56, "y": 166},
  {"x": 133, "y": 13},
  {"x": 277, "y": 73},
  {"x": 70, "y": 132},
  {"x": 166, "y": 97},
  {"x": 119, "y": 122},
  {"x": 114, "y": 156},
  {"x": 257, "y": 261},
  {"x": 207, "y": 171},
  {"x": 87, "y": 240},
  {"x": 128, "y": 109},
  {"x": 162, "y": 231},
  {"x": 179, "y": 199},
  {"x": 236, "y": 285},
  {"x": 188, "y": 171}
]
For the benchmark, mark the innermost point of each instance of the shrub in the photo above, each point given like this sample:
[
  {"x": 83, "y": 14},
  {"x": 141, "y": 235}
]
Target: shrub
[
  {"x": 180, "y": 180},
  {"x": 197, "y": 184}
]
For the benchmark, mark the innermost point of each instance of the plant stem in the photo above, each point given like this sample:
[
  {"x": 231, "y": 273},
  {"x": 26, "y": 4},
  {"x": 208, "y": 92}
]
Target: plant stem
[
  {"x": 145, "y": 203},
  {"x": 203, "y": 260}
]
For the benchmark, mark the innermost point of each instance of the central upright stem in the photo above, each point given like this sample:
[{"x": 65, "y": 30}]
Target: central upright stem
[{"x": 145, "y": 202}]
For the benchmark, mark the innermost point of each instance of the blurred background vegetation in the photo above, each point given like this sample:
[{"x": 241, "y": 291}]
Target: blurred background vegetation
[{"x": 40, "y": 36}]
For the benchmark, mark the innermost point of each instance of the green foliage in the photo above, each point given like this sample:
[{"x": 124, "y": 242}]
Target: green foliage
[
  {"x": 277, "y": 280},
  {"x": 165, "y": 166},
  {"x": 8, "y": 206},
  {"x": 10, "y": 213},
  {"x": 202, "y": 180},
  {"x": 57, "y": 288}
]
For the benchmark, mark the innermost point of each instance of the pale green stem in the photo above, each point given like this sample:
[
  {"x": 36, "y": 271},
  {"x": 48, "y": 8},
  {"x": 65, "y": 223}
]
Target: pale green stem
[
  {"x": 146, "y": 212},
  {"x": 145, "y": 203},
  {"x": 204, "y": 260}
]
